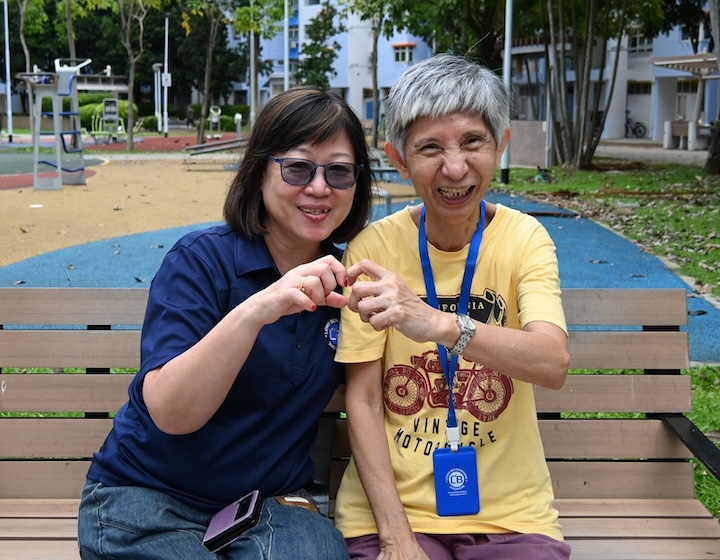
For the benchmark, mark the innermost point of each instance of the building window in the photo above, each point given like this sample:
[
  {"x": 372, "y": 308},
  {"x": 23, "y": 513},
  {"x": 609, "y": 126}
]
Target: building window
[
  {"x": 687, "y": 86},
  {"x": 639, "y": 44},
  {"x": 404, "y": 52},
  {"x": 312, "y": 2},
  {"x": 639, "y": 88}
]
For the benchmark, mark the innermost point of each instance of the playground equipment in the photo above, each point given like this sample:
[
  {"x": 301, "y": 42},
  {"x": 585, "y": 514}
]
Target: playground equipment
[
  {"x": 65, "y": 164},
  {"x": 215, "y": 126}
]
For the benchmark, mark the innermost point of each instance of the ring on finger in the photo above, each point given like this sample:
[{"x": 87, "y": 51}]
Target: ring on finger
[{"x": 301, "y": 287}]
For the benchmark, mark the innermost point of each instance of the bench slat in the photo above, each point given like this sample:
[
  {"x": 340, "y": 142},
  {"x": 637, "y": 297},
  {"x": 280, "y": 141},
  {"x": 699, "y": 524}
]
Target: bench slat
[
  {"x": 610, "y": 307},
  {"x": 39, "y": 508},
  {"x": 628, "y": 350},
  {"x": 46, "y": 528},
  {"x": 52, "y": 437},
  {"x": 581, "y": 393},
  {"x": 72, "y": 306},
  {"x": 63, "y": 392},
  {"x": 59, "y": 348},
  {"x": 621, "y": 479},
  {"x": 618, "y": 393},
  {"x": 605, "y": 528},
  {"x": 562, "y": 439},
  {"x": 40, "y": 550},
  {"x": 603, "y": 507},
  {"x": 644, "y": 549},
  {"x": 42, "y": 479},
  {"x": 584, "y": 439}
]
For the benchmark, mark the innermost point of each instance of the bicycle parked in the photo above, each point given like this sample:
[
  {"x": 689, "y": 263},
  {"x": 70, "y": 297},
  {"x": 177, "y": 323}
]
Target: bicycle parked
[{"x": 634, "y": 128}]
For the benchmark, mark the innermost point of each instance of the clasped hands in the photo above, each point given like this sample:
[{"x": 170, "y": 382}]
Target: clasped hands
[{"x": 384, "y": 301}]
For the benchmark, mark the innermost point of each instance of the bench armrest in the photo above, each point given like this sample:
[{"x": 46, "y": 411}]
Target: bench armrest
[{"x": 697, "y": 442}]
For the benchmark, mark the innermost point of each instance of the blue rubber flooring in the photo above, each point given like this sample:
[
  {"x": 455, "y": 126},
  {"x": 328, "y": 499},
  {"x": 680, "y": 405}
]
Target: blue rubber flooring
[{"x": 590, "y": 256}]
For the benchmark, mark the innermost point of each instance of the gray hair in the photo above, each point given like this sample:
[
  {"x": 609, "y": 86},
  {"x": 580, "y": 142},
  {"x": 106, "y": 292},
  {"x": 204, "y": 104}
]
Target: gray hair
[{"x": 443, "y": 85}]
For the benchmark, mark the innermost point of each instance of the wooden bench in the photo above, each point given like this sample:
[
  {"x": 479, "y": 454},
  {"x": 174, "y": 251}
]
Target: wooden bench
[
  {"x": 624, "y": 486},
  {"x": 678, "y": 134}
]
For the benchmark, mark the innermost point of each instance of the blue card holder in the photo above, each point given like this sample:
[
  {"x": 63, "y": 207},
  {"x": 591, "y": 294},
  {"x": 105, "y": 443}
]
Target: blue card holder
[{"x": 457, "y": 491}]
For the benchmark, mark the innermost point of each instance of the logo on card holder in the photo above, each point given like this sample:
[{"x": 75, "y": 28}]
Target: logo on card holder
[{"x": 456, "y": 479}]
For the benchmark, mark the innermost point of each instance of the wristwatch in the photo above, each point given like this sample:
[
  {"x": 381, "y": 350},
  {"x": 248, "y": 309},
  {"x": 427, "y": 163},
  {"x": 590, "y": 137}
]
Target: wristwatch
[{"x": 467, "y": 330}]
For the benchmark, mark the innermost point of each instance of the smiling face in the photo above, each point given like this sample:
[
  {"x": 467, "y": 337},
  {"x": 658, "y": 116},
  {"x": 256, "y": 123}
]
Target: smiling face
[
  {"x": 451, "y": 161},
  {"x": 301, "y": 217}
]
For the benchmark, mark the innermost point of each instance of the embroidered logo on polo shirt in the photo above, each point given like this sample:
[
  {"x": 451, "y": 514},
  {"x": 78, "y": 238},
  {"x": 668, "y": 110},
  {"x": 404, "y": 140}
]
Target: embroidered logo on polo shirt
[{"x": 332, "y": 327}]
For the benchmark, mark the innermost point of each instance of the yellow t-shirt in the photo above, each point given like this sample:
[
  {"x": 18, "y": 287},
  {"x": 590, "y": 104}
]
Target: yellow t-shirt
[{"x": 516, "y": 281}]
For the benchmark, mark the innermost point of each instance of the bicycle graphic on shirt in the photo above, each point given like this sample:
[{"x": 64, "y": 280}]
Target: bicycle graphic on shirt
[{"x": 481, "y": 391}]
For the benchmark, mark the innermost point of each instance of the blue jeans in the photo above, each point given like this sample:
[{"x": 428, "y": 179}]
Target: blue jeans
[{"x": 134, "y": 523}]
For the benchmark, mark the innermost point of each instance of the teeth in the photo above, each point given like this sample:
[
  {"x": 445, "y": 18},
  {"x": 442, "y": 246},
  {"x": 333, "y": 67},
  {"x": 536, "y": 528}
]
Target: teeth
[
  {"x": 455, "y": 193},
  {"x": 314, "y": 211}
]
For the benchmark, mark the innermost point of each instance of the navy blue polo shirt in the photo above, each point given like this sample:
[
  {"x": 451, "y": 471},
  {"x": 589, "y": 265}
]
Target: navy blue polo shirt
[{"x": 262, "y": 435}]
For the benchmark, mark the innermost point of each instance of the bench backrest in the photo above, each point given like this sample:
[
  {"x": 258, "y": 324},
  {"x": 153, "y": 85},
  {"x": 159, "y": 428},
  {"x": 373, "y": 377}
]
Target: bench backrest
[{"x": 51, "y": 423}]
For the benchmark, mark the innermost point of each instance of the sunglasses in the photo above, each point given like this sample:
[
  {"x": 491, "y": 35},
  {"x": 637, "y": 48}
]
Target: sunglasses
[{"x": 300, "y": 172}]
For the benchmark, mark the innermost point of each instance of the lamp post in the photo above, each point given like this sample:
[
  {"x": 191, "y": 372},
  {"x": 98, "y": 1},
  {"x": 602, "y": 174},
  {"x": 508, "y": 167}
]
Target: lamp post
[
  {"x": 157, "y": 90},
  {"x": 8, "y": 88},
  {"x": 166, "y": 79},
  {"x": 286, "y": 48},
  {"x": 507, "y": 75}
]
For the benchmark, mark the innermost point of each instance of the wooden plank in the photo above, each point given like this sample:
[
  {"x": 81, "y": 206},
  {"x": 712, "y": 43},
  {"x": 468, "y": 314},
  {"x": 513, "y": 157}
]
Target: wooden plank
[
  {"x": 610, "y": 439},
  {"x": 46, "y": 528},
  {"x": 69, "y": 348},
  {"x": 644, "y": 549},
  {"x": 52, "y": 437},
  {"x": 40, "y": 550},
  {"x": 632, "y": 306},
  {"x": 585, "y": 439},
  {"x": 631, "y": 508},
  {"x": 63, "y": 392},
  {"x": 618, "y": 393},
  {"x": 623, "y": 527},
  {"x": 629, "y": 350},
  {"x": 622, "y": 480},
  {"x": 39, "y": 508},
  {"x": 72, "y": 306},
  {"x": 42, "y": 479},
  {"x": 583, "y": 306}
]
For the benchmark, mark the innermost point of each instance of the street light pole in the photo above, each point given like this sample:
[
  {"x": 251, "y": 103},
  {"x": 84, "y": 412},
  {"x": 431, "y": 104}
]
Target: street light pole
[
  {"x": 507, "y": 75},
  {"x": 8, "y": 88},
  {"x": 166, "y": 79},
  {"x": 286, "y": 47}
]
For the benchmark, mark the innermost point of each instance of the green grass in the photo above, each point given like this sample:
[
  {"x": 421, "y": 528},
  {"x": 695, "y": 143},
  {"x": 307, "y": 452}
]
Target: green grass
[{"x": 672, "y": 211}]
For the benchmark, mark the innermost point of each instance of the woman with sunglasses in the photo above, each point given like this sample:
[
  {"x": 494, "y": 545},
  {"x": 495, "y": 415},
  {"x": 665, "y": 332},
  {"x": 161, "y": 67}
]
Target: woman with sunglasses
[{"x": 237, "y": 354}]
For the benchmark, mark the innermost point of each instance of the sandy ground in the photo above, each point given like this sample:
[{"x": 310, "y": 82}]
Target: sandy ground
[{"x": 122, "y": 197}]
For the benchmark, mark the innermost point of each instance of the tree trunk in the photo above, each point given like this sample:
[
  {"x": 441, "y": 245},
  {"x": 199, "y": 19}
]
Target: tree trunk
[
  {"x": 70, "y": 30},
  {"x": 712, "y": 164}
]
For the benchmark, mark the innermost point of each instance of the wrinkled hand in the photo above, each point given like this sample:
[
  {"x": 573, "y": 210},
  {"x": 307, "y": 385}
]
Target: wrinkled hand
[
  {"x": 386, "y": 301},
  {"x": 409, "y": 550},
  {"x": 303, "y": 288}
]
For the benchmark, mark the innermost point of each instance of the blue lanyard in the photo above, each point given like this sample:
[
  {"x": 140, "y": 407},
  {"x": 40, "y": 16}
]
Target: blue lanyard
[{"x": 449, "y": 366}]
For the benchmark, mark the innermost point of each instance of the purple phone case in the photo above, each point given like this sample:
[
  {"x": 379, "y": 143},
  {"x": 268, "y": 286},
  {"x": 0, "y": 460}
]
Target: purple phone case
[{"x": 230, "y": 522}]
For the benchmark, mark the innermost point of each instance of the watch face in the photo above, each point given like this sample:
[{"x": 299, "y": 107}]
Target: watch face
[{"x": 466, "y": 323}]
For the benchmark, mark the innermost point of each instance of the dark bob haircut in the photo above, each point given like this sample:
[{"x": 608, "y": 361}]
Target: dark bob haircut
[{"x": 301, "y": 115}]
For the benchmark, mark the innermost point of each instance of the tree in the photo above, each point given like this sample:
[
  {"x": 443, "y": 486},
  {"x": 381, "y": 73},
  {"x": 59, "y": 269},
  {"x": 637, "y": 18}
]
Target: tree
[
  {"x": 464, "y": 27},
  {"x": 132, "y": 24},
  {"x": 576, "y": 34},
  {"x": 712, "y": 164},
  {"x": 374, "y": 11},
  {"x": 258, "y": 19},
  {"x": 316, "y": 65}
]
